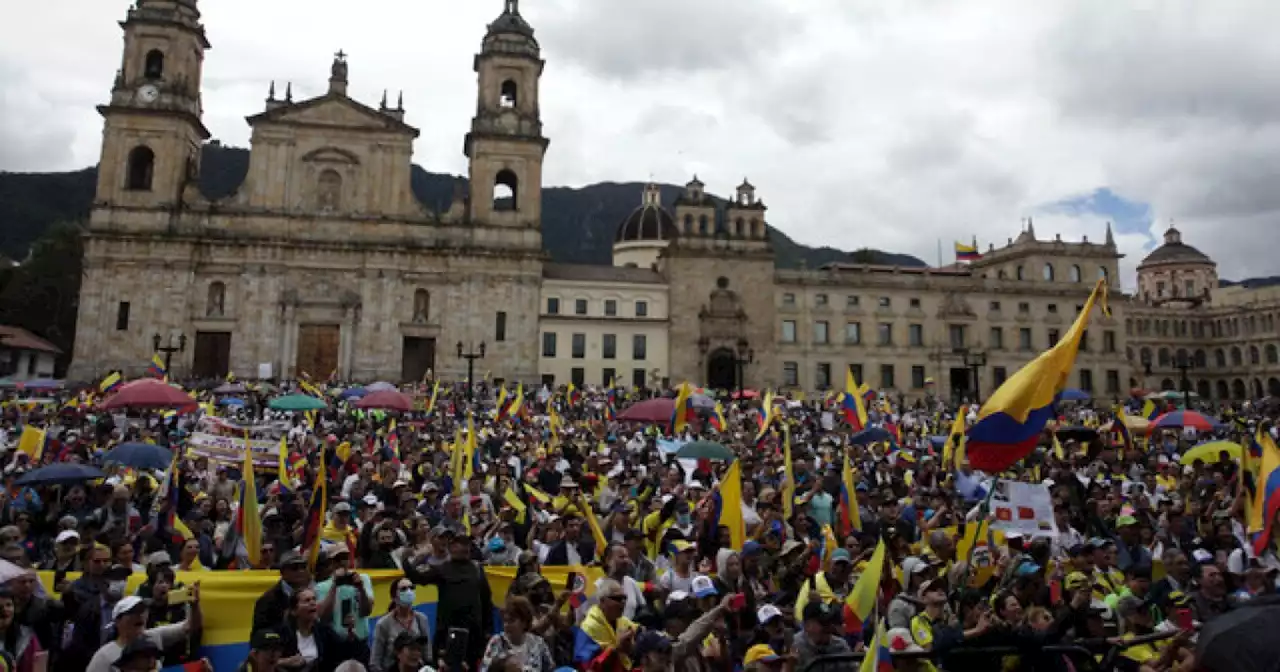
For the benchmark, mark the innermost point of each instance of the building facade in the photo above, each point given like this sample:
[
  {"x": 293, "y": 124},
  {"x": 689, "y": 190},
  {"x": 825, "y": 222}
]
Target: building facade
[
  {"x": 323, "y": 261},
  {"x": 1186, "y": 332}
]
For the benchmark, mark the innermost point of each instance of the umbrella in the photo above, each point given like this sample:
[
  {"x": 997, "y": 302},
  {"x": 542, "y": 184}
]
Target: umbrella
[
  {"x": 1242, "y": 640},
  {"x": 1199, "y": 421},
  {"x": 651, "y": 410},
  {"x": 389, "y": 400},
  {"x": 870, "y": 436},
  {"x": 1077, "y": 433},
  {"x": 381, "y": 386},
  {"x": 702, "y": 401},
  {"x": 150, "y": 393},
  {"x": 1171, "y": 395},
  {"x": 746, "y": 394},
  {"x": 230, "y": 388},
  {"x": 1211, "y": 452},
  {"x": 61, "y": 473},
  {"x": 704, "y": 450},
  {"x": 1073, "y": 394},
  {"x": 296, "y": 402},
  {"x": 232, "y": 401},
  {"x": 140, "y": 455},
  {"x": 353, "y": 393}
]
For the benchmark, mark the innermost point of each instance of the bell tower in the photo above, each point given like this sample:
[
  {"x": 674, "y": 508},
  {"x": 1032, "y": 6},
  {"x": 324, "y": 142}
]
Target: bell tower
[
  {"x": 505, "y": 145},
  {"x": 152, "y": 131}
]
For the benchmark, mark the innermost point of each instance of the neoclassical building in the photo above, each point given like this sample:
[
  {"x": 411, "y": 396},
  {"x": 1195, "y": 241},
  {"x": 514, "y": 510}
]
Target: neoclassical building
[
  {"x": 323, "y": 262},
  {"x": 1186, "y": 329}
]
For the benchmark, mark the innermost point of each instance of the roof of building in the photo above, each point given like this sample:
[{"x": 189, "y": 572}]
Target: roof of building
[
  {"x": 647, "y": 222},
  {"x": 17, "y": 338},
  {"x": 597, "y": 273},
  {"x": 1175, "y": 251},
  {"x": 511, "y": 22}
]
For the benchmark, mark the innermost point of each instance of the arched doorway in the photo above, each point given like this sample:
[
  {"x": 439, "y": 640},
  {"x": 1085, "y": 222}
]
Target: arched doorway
[
  {"x": 1202, "y": 389},
  {"x": 1273, "y": 387},
  {"x": 1237, "y": 389},
  {"x": 722, "y": 371}
]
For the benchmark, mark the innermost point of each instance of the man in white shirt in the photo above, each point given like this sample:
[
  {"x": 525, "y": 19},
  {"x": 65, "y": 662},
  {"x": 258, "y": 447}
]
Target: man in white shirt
[{"x": 130, "y": 616}]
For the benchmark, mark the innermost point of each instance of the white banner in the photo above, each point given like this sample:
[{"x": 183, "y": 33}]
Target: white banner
[
  {"x": 221, "y": 441},
  {"x": 1025, "y": 508}
]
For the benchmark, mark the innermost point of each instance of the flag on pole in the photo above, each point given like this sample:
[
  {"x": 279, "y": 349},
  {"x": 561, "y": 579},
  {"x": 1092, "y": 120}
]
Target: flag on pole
[
  {"x": 682, "y": 411},
  {"x": 249, "y": 523},
  {"x": 861, "y": 601},
  {"x": 855, "y": 409},
  {"x": 728, "y": 505}
]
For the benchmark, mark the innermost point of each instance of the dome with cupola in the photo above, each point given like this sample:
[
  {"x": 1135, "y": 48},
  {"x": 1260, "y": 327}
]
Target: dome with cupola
[
  {"x": 649, "y": 222},
  {"x": 1175, "y": 251}
]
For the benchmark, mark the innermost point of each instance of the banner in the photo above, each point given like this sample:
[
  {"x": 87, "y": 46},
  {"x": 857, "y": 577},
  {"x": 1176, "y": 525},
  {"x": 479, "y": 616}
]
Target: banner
[
  {"x": 227, "y": 599},
  {"x": 1026, "y": 508},
  {"x": 222, "y": 441}
]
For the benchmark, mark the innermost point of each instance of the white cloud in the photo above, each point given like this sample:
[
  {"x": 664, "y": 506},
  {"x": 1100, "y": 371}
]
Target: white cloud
[{"x": 863, "y": 123}]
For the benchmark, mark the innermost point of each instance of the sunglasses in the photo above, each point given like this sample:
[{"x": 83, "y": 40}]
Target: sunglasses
[{"x": 615, "y": 598}]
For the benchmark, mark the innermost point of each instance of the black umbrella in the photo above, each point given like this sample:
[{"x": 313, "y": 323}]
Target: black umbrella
[
  {"x": 140, "y": 455},
  {"x": 62, "y": 473},
  {"x": 1243, "y": 640},
  {"x": 1080, "y": 434}
]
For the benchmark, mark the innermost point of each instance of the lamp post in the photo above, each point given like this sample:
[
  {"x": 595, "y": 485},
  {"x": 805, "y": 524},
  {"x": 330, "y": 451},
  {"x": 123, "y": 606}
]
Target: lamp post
[
  {"x": 974, "y": 360},
  {"x": 169, "y": 348},
  {"x": 1183, "y": 363},
  {"x": 744, "y": 356},
  {"x": 471, "y": 356}
]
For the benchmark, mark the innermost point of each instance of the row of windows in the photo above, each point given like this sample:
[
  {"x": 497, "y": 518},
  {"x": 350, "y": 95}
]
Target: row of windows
[
  {"x": 852, "y": 301},
  {"x": 822, "y": 378},
  {"x": 1163, "y": 290},
  {"x": 1219, "y": 328},
  {"x": 610, "y": 307},
  {"x": 1237, "y": 389},
  {"x": 958, "y": 336},
  {"x": 738, "y": 227},
  {"x": 608, "y": 346},
  {"x": 578, "y": 376},
  {"x": 1049, "y": 273},
  {"x": 1165, "y": 357}
]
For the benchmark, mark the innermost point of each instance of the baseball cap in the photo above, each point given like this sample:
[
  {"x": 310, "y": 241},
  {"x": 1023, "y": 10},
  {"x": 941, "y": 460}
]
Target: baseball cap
[
  {"x": 1076, "y": 581},
  {"x": 138, "y": 648},
  {"x": 914, "y": 565},
  {"x": 841, "y": 555},
  {"x": 1125, "y": 521},
  {"x": 405, "y": 639},
  {"x": 650, "y": 641},
  {"x": 703, "y": 586},
  {"x": 334, "y": 550},
  {"x": 341, "y": 507},
  {"x": 818, "y": 611},
  {"x": 159, "y": 558},
  {"x": 751, "y": 548},
  {"x": 899, "y": 640},
  {"x": 128, "y": 605},
  {"x": 66, "y": 535},
  {"x": 292, "y": 557},
  {"x": 761, "y": 653},
  {"x": 1129, "y": 605},
  {"x": 680, "y": 546},
  {"x": 265, "y": 639},
  {"x": 767, "y": 613}
]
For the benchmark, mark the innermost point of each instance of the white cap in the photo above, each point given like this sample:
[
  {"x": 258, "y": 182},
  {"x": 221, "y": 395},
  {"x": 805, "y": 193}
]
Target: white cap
[
  {"x": 371, "y": 500},
  {"x": 767, "y": 612},
  {"x": 677, "y": 596},
  {"x": 913, "y": 565},
  {"x": 124, "y": 606},
  {"x": 703, "y": 586},
  {"x": 67, "y": 534}
]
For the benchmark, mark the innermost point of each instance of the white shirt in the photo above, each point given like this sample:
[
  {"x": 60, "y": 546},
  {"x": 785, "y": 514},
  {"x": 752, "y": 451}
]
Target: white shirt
[
  {"x": 307, "y": 646},
  {"x": 163, "y": 637}
]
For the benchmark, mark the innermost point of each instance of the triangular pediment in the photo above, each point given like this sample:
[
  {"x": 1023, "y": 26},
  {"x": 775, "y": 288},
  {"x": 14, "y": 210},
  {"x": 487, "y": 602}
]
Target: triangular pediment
[{"x": 332, "y": 111}]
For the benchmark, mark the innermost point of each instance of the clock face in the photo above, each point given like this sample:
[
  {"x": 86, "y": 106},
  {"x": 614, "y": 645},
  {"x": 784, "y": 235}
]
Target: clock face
[{"x": 148, "y": 93}]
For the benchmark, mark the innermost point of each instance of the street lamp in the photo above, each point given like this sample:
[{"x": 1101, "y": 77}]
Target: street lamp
[
  {"x": 471, "y": 356},
  {"x": 1182, "y": 363},
  {"x": 169, "y": 348},
  {"x": 744, "y": 356},
  {"x": 974, "y": 360}
]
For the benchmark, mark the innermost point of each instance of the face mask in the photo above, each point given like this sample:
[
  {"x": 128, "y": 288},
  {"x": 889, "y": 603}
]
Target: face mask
[
  {"x": 116, "y": 588},
  {"x": 405, "y": 597}
]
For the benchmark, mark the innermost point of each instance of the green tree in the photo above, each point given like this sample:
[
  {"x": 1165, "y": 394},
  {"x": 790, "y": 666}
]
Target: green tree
[{"x": 42, "y": 294}]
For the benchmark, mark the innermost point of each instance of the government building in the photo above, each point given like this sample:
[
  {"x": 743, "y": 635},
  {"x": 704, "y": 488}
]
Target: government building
[{"x": 323, "y": 262}]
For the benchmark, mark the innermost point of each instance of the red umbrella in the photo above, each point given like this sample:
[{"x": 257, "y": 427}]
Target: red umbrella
[
  {"x": 746, "y": 394},
  {"x": 387, "y": 400},
  {"x": 150, "y": 393},
  {"x": 1178, "y": 419},
  {"x": 651, "y": 410}
]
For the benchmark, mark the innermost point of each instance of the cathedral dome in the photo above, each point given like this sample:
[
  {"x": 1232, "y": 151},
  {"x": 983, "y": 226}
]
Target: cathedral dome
[
  {"x": 1175, "y": 251},
  {"x": 511, "y": 22},
  {"x": 649, "y": 222}
]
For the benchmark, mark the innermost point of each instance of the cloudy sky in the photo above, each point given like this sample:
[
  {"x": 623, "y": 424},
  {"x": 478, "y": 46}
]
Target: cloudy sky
[{"x": 862, "y": 122}]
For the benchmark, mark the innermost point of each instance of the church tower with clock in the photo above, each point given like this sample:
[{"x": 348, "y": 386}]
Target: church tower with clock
[{"x": 153, "y": 132}]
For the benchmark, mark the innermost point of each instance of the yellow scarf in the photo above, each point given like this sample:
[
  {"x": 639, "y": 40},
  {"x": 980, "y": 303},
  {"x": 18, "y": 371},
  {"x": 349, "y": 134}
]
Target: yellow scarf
[{"x": 597, "y": 627}]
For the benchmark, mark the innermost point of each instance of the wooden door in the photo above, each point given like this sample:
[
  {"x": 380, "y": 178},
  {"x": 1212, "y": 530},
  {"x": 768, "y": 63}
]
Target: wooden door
[
  {"x": 212, "y": 354},
  {"x": 418, "y": 357},
  {"x": 318, "y": 350}
]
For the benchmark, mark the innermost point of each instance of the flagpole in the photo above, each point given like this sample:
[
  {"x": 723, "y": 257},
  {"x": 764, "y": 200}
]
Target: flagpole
[{"x": 939, "y": 253}]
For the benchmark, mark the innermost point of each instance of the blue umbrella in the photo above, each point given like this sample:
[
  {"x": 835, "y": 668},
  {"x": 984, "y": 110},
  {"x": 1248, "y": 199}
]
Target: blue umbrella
[
  {"x": 62, "y": 473},
  {"x": 353, "y": 393},
  {"x": 231, "y": 401},
  {"x": 140, "y": 455},
  {"x": 871, "y": 435},
  {"x": 1073, "y": 394}
]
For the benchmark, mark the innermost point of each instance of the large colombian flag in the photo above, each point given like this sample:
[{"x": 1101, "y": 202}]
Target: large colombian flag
[
  {"x": 1010, "y": 423},
  {"x": 862, "y": 599},
  {"x": 855, "y": 411},
  {"x": 1266, "y": 503},
  {"x": 682, "y": 410},
  {"x": 877, "y": 657}
]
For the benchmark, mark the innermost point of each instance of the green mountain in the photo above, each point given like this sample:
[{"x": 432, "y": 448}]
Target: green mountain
[{"x": 578, "y": 224}]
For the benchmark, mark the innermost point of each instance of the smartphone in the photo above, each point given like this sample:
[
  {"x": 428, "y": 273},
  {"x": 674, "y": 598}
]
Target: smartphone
[
  {"x": 1182, "y": 618},
  {"x": 455, "y": 649},
  {"x": 738, "y": 602},
  {"x": 179, "y": 596}
]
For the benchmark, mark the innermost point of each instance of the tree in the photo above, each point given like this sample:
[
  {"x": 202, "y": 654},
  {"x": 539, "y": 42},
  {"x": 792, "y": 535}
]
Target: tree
[{"x": 42, "y": 294}]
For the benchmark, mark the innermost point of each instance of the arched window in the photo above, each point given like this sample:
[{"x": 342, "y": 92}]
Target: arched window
[
  {"x": 739, "y": 227},
  {"x": 142, "y": 165},
  {"x": 702, "y": 225},
  {"x": 1202, "y": 360},
  {"x": 1162, "y": 358},
  {"x": 1257, "y": 388},
  {"x": 1075, "y": 273},
  {"x": 1273, "y": 357},
  {"x": 217, "y": 301},
  {"x": 1001, "y": 275},
  {"x": 1237, "y": 389},
  {"x": 1223, "y": 391},
  {"x": 1144, "y": 355},
  {"x": 1048, "y": 272},
  {"x": 1202, "y": 389},
  {"x": 1273, "y": 387},
  {"x": 1255, "y": 357},
  {"x": 1181, "y": 357},
  {"x": 421, "y": 306},
  {"x": 509, "y": 96},
  {"x": 1128, "y": 352},
  {"x": 1018, "y": 274},
  {"x": 755, "y": 229},
  {"x": 154, "y": 65},
  {"x": 688, "y": 224},
  {"x": 506, "y": 191},
  {"x": 1236, "y": 358},
  {"x": 1166, "y": 384},
  {"x": 329, "y": 191},
  {"x": 1220, "y": 358}
]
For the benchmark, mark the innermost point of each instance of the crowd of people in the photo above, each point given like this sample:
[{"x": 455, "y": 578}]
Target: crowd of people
[{"x": 1143, "y": 549}]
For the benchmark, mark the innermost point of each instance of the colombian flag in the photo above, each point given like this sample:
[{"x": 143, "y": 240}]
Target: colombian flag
[
  {"x": 862, "y": 599},
  {"x": 717, "y": 418},
  {"x": 431, "y": 405},
  {"x": 574, "y": 396},
  {"x": 248, "y": 522},
  {"x": 967, "y": 252},
  {"x": 1010, "y": 423},
  {"x": 728, "y": 505},
  {"x": 955, "y": 440},
  {"x": 766, "y": 416},
  {"x": 682, "y": 410},
  {"x": 849, "y": 514},
  {"x": 110, "y": 383},
  {"x": 878, "y": 658},
  {"x": 157, "y": 370},
  {"x": 1150, "y": 410},
  {"x": 855, "y": 410},
  {"x": 1266, "y": 502},
  {"x": 313, "y": 524},
  {"x": 609, "y": 414},
  {"x": 1120, "y": 428}
]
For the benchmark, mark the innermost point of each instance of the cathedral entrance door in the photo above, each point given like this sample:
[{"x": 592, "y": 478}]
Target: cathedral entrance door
[
  {"x": 417, "y": 357},
  {"x": 318, "y": 349},
  {"x": 212, "y": 354},
  {"x": 960, "y": 387},
  {"x": 722, "y": 370}
]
